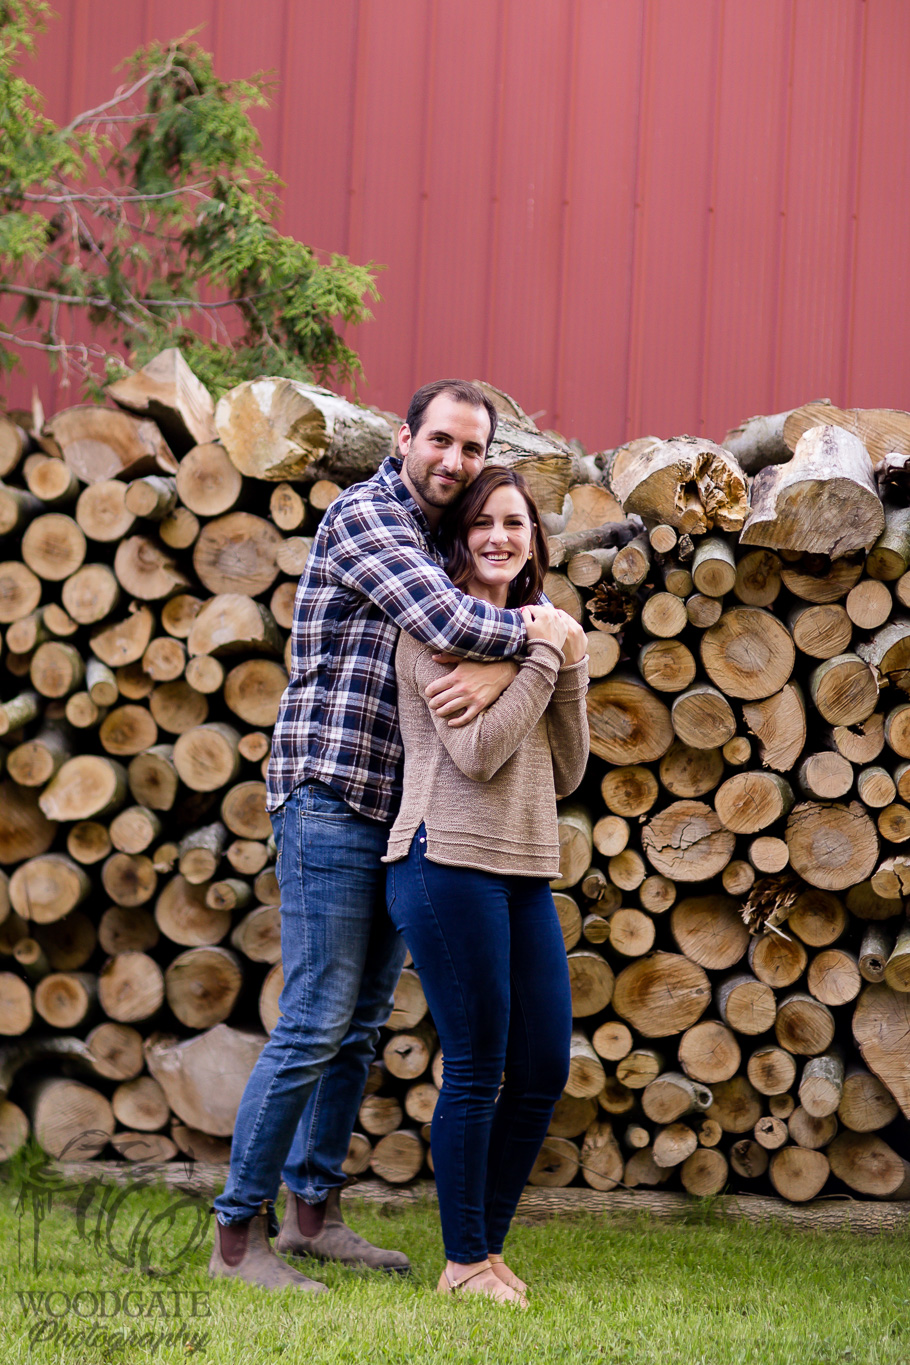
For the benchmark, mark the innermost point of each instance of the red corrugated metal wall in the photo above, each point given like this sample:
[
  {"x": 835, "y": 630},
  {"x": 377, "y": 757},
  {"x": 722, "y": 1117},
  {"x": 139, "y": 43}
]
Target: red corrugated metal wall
[{"x": 634, "y": 215}]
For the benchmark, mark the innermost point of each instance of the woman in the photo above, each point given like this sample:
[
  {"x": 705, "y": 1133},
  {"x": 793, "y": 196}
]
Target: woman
[{"x": 471, "y": 852}]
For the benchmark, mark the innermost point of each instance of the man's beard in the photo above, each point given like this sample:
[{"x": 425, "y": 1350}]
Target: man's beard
[{"x": 432, "y": 491}]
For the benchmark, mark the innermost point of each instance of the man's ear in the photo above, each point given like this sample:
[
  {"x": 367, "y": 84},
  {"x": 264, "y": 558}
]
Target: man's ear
[{"x": 404, "y": 438}]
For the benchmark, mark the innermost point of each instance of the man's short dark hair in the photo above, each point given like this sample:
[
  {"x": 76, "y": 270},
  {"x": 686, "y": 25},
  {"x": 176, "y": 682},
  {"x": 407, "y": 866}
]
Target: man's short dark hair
[{"x": 461, "y": 391}]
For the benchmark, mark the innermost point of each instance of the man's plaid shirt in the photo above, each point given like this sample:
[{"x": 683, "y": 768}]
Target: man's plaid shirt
[{"x": 373, "y": 570}]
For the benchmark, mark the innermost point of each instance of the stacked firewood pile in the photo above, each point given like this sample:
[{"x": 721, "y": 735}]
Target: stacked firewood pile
[{"x": 732, "y": 889}]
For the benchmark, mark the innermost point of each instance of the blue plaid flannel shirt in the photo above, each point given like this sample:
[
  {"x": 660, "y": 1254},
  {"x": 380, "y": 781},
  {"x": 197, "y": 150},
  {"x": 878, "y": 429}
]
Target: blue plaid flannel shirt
[{"x": 373, "y": 570}]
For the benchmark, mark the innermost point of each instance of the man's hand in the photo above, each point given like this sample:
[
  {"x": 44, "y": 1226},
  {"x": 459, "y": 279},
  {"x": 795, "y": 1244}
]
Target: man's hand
[{"x": 469, "y": 689}]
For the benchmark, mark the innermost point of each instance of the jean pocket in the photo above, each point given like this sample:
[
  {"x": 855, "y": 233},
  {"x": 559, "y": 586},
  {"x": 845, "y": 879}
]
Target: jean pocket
[{"x": 325, "y": 803}]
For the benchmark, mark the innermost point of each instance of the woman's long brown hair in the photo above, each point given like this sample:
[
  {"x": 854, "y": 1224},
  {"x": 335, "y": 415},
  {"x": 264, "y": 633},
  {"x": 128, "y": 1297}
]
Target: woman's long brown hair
[{"x": 527, "y": 587}]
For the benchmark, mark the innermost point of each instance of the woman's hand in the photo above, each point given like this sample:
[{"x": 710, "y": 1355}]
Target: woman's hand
[
  {"x": 576, "y": 645},
  {"x": 546, "y": 623}
]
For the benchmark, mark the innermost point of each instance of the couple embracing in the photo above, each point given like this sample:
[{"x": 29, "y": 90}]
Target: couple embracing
[{"x": 413, "y": 805}]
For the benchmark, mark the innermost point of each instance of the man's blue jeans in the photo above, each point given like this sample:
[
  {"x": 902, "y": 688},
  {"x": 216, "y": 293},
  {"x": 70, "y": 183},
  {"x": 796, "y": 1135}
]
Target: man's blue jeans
[{"x": 342, "y": 958}]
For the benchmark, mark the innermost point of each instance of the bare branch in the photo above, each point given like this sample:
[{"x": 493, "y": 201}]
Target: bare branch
[
  {"x": 77, "y": 347},
  {"x": 120, "y": 97},
  {"x": 102, "y": 196}
]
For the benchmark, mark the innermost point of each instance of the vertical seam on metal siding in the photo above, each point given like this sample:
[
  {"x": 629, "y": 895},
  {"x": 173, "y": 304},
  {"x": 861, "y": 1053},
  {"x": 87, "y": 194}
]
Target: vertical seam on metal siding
[
  {"x": 711, "y": 226},
  {"x": 217, "y": 22},
  {"x": 642, "y": 158},
  {"x": 426, "y": 153},
  {"x": 859, "y": 87},
  {"x": 777, "y": 298},
  {"x": 496, "y": 195},
  {"x": 353, "y": 211},
  {"x": 569, "y": 143},
  {"x": 287, "y": 31}
]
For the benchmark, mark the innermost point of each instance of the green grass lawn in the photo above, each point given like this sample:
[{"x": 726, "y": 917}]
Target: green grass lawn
[{"x": 642, "y": 1292}]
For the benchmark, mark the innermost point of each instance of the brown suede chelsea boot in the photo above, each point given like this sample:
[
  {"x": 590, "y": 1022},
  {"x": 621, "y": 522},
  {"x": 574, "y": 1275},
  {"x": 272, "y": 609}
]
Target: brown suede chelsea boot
[
  {"x": 320, "y": 1230},
  {"x": 242, "y": 1252}
]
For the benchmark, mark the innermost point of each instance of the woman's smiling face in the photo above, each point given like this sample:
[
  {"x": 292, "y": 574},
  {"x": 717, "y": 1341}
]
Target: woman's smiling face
[{"x": 499, "y": 541}]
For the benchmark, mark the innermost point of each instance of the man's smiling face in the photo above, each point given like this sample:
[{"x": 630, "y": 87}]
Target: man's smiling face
[{"x": 445, "y": 454}]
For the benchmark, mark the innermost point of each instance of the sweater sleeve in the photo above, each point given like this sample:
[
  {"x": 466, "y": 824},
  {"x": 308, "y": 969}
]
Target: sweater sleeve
[
  {"x": 567, "y": 727},
  {"x": 480, "y": 748}
]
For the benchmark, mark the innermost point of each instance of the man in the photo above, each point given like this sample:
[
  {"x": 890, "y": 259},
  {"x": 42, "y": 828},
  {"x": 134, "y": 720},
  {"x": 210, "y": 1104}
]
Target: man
[{"x": 333, "y": 790}]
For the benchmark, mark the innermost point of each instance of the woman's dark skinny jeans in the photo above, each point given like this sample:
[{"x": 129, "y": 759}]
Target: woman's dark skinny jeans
[{"x": 490, "y": 955}]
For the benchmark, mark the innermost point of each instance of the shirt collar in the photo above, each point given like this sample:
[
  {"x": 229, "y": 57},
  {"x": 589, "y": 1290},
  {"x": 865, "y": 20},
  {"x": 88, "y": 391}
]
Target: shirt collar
[{"x": 389, "y": 475}]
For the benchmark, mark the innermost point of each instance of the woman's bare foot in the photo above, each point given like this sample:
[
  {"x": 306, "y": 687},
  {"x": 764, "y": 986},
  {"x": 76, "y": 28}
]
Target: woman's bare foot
[
  {"x": 502, "y": 1272},
  {"x": 478, "y": 1278}
]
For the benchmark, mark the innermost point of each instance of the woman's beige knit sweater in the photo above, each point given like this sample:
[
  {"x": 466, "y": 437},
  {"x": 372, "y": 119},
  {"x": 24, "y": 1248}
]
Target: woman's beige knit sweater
[{"x": 487, "y": 791}]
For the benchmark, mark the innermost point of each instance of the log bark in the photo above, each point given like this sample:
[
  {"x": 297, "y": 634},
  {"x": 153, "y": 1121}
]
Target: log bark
[
  {"x": 823, "y": 501},
  {"x": 880, "y": 429},
  {"x": 657, "y": 484},
  {"x": 167, "y": 391},
  {"x": 280, "y": 429}
]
